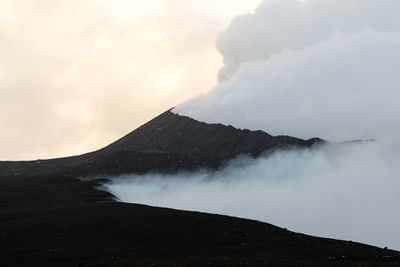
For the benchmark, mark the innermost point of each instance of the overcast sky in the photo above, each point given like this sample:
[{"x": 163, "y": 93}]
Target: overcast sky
[{"x": 76, "y": 75}]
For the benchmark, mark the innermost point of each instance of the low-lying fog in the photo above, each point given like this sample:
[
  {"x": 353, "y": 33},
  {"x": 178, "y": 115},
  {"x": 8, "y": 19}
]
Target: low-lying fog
[{"x": 348, "y": 192}]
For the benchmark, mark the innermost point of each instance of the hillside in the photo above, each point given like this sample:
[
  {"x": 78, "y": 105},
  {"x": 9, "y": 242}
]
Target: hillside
[
  {"x": 61, "y": 221},
  {"x": 169, "y": 142}
]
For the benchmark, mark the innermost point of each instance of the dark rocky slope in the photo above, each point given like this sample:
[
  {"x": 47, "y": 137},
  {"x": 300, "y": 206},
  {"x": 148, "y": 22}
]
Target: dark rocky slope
[
  {"x": 61, "y": 221},
  {"x": 169, "y": 142}
]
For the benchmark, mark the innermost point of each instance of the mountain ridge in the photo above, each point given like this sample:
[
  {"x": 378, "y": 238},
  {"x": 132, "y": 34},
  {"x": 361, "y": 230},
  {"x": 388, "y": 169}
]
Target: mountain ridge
[{"x": 167, "y": 143}]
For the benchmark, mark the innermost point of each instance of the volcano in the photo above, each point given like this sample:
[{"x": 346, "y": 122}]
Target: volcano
[
  {"x": 51, "y": 216},
  {"x": 167, "y": 143}
]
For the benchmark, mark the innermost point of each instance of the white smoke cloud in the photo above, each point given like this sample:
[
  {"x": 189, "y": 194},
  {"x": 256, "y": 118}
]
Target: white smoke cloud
[
  {"x": 277, "y": 25},
  {"x": 317, "y": 68},
  {"x": 348, "y": 191}
]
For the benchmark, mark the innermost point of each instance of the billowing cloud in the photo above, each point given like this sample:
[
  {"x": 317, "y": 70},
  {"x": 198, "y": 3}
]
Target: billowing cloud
[
  {"x": 277, "y": 25},
  {"x": 340, "y": 89},
  {"x": 348, "y": 191},
  {"x": 306, "y": 69}
]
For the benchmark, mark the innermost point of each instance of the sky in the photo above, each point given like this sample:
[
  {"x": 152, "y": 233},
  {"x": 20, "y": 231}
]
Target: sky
[{"x": 77, "y": 75}]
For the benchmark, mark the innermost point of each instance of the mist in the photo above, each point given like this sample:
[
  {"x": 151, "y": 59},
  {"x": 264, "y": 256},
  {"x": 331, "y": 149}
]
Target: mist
[{"x": 347, "y": 191}]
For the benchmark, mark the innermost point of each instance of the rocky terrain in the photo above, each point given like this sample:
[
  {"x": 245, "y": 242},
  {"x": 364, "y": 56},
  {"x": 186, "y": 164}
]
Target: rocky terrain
[{"x": 51, "y": 215}]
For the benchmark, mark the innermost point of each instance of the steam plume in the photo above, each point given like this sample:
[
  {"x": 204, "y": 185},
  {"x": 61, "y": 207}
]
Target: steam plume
[
  {"x": 319, "y": 68},
  {"x": 348, "y": 192}
]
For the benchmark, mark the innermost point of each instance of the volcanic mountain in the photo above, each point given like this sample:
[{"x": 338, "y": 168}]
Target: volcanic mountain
[
  {"x": 49, "y": 217},
  {"x": 167, "y": 143}
]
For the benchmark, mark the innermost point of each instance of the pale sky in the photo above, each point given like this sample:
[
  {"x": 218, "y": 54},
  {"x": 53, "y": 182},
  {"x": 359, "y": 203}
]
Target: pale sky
[{"x": 76, "y": 75}]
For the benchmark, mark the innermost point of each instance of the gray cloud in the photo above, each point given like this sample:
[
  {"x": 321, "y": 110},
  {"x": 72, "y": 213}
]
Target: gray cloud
[
  {"x": 346, "y": 192},
  {"x": 277, "y": 25}
]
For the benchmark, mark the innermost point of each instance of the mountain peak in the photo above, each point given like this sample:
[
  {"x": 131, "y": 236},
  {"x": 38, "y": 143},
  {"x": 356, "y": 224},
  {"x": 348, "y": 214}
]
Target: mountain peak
[{"x": 169, "y": 142}]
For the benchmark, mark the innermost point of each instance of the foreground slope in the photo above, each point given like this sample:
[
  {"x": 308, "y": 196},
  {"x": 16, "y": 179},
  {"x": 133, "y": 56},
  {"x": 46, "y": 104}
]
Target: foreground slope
[
  {"x": 169, "y": 142},
  {"x": 62, "y": 221}
]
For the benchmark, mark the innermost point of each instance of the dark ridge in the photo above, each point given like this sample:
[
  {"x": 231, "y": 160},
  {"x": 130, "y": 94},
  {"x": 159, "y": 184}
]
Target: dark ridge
[
  {"x": 62, "y": 221},
  {"x": 168, "y": 143}
]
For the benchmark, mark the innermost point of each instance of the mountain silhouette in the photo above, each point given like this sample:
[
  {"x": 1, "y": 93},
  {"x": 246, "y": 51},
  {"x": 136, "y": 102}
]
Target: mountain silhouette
[{"x": 167, "y": 143}]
